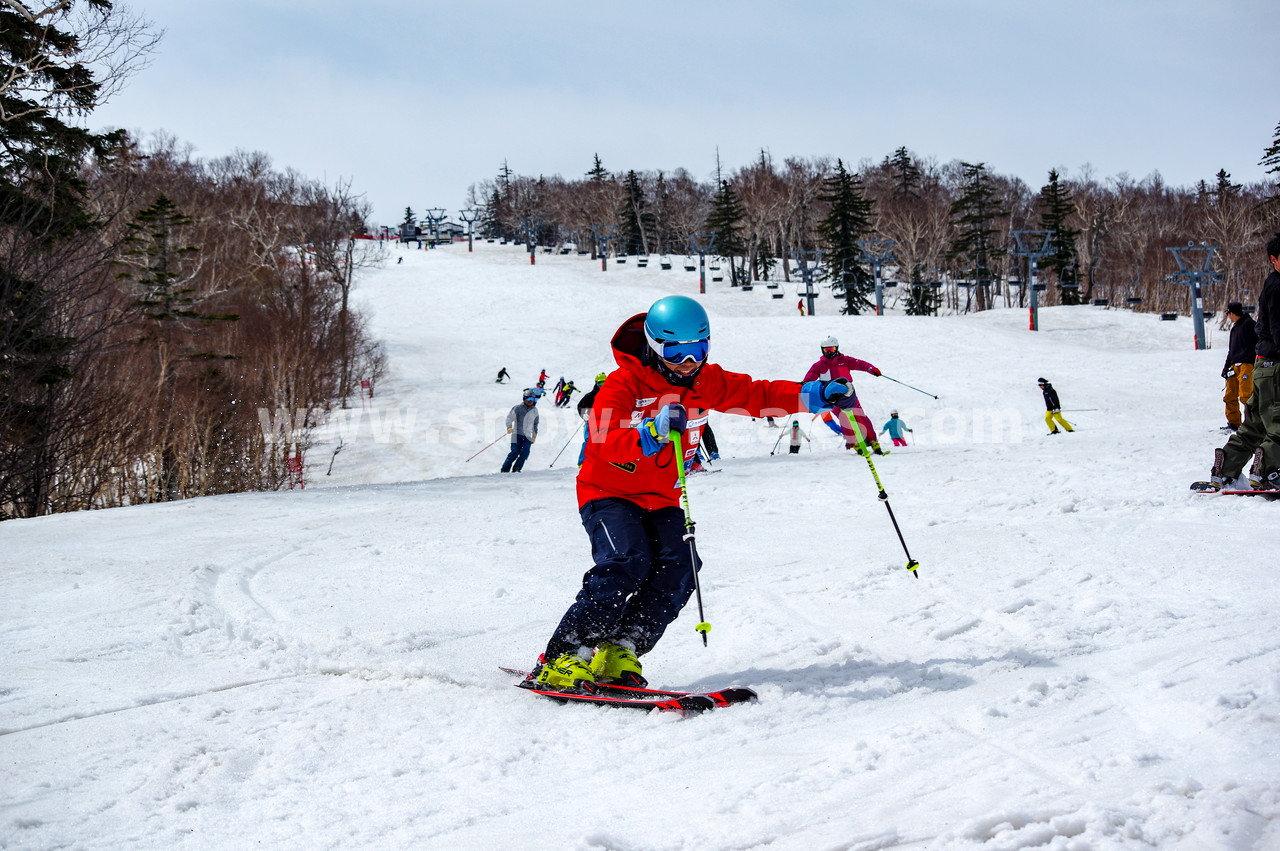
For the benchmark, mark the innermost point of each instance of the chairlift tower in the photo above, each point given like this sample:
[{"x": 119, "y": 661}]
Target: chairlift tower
[
  {"x": 602, "y": 234},
  {"x": 701, "y": 244},
  {"x": 435, "y": 215},
  {"x": 877, "y": 252},
  {"x": 1194, "y": 262},
  {"x": 1033, "y": 244},
  {"x": 469, "y": 216},
  {"x": 810, "y": 265}
]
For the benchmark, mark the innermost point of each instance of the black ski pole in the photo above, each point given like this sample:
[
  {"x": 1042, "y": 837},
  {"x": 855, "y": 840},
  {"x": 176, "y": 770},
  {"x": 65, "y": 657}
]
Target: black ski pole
[
  {"x": 778, "y": 441},
  {"x": 563, "y": 448},
  {"x": 905, "y": 384},
  {"x": 912, "y": 564},
  {"x": 702, "y": 627}
]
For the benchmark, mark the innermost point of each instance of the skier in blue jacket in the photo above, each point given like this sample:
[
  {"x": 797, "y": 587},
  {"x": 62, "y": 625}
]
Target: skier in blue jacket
[{"x": 897, "y": 429}]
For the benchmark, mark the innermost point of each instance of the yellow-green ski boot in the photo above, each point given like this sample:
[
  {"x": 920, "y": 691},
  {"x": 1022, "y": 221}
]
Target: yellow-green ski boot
[
  {"x": 617, "y": 664},
  {"x": 567, "y": 671}
]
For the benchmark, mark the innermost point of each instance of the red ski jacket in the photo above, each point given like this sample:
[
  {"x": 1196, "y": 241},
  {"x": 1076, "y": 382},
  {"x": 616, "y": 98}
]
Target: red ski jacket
[{"x": 614, "y": 465}]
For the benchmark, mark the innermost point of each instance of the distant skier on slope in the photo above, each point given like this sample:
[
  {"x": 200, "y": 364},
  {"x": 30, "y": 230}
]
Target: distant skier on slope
[
  {"x": 584, "y": 410},
  {"x": 503, "y": 375},
  {"x": 796, "y": 434},
  {"x": 833, "y": 364},
  {"x": 627, "y": 488},
  {"x": 522, "y": 425},
  {"x": 1053, "y": 408},
  {"x": 897, "y": 429},
  {"x": 566, "y": 393}
]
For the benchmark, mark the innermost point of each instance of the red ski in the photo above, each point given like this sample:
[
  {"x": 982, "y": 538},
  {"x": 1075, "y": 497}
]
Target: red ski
[{"x": 632, "y": 697}]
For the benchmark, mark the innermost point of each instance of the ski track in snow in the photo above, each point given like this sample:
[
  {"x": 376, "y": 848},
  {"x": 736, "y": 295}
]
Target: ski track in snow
[{"x": 1089, "y": 659}]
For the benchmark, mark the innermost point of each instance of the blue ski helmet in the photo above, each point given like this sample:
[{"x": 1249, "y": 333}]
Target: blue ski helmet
[
  {"x": 677, "y": 330},
  {"x": 677, "y": 319}
]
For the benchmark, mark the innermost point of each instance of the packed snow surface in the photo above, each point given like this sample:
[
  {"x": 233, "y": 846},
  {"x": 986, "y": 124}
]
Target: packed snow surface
[{"x": 1089, "y": 659}]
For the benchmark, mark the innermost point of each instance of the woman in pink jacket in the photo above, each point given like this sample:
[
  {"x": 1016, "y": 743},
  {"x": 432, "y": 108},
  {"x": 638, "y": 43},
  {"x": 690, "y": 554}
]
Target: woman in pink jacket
[{"x": 831, "y": 365}]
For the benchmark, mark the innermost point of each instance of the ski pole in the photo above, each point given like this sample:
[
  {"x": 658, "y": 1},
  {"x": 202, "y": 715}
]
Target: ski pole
[
  {"x": 776, "y": 442},
  {"x": 499, "y": 437},
  {"x": 702, "y": 627},
  {"x": 905, "y": 384},
  {"x": 562, "y": 449},
  {"x": 912, "y": 564}
]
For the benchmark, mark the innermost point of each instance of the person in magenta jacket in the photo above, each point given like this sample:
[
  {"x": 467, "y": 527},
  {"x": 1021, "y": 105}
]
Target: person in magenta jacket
[{"x": 833, "y": 365}]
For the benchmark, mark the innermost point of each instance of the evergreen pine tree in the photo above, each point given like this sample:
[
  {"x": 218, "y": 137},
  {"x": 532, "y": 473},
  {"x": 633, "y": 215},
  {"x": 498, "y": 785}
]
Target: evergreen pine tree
[
  {"x": 1225, "y": 190},
  {"x": 848, "y": 221},
  {"x": 633, "y": 214},
  {"x": 598, "y": 173},
  {"x": 1055, "y": 213},
  {"x": 974, "y": 249},
  {"x": 42, "y": 207},
  {"x": 662, "y": 233},
  {"x": 906, "y": 174},
  {"x": 724, "y": 224},
  {"x": 155, "y": 260},
  {"x": 1271, "y": 159}
]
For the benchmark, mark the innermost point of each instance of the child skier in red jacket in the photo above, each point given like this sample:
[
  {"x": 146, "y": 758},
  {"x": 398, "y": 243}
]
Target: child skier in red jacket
[{"x": 628, "y": 491}]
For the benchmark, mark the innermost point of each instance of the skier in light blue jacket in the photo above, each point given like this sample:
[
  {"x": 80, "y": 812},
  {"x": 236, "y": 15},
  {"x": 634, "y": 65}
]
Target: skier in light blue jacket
[{"x": 897, "y": 429}]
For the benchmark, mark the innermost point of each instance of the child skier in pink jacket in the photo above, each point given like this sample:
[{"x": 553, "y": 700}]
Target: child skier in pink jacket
[{"x": 831, "y": 365}]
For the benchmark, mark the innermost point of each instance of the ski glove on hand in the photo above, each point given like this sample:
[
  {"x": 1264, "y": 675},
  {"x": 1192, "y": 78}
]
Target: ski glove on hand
[
  {"x": 656, "y": 431},
  {"x": 818, "y": 396},
  {"x": 874, "y": 371}
]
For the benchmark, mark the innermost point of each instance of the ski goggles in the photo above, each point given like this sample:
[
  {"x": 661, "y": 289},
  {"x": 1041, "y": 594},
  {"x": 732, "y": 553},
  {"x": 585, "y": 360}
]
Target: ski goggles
[
  {"x": 829, "y": 350},
  {"x": 680, "y": 352}
]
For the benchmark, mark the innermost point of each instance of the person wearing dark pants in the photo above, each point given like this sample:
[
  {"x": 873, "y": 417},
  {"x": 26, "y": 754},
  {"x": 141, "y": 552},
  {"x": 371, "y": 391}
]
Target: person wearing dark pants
[
  {"x": 629, "y": 494},
  {"x": 1257, "y": 441},
  {"x": 642, "y": 578},
  {"x": 522, "y": 425}
]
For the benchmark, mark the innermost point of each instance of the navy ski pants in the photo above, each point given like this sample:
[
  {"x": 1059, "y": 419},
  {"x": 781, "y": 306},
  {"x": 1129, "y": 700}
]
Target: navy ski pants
[
  {"x": 642, "y": 578},
  {"x": 520, "y": 446}
]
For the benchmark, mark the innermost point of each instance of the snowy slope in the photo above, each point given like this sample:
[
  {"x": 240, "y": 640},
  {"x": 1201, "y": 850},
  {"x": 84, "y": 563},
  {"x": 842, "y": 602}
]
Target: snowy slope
[{"x": 1090, "y": 658}]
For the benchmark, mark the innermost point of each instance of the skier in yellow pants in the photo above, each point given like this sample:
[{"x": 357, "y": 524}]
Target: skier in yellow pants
[{"x": 1053, "y": 415}]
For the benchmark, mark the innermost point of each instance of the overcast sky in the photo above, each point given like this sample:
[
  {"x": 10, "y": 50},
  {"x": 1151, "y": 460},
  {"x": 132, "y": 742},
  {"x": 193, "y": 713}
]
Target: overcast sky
[{"x": 415, "y": 100}]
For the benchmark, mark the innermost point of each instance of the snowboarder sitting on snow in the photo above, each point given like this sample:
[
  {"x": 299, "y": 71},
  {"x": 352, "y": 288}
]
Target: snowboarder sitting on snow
[
  {"x": 1053, "y": 413},
  {"x": 627, "y": 488},
  {"x": 896, "y": 428},
  {"x": 831, "y": 365},
  {"x": 522, "y": 425},
  {"x": 1257, "y": 441},
  {"x": 796, "y": 434}
]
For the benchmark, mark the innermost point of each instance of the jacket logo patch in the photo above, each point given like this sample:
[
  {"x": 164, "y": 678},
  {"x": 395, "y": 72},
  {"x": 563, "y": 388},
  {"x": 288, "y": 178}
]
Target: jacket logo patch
[
  {"x": 629, "y": 467},
  {"x": 644, "y": 403}
]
